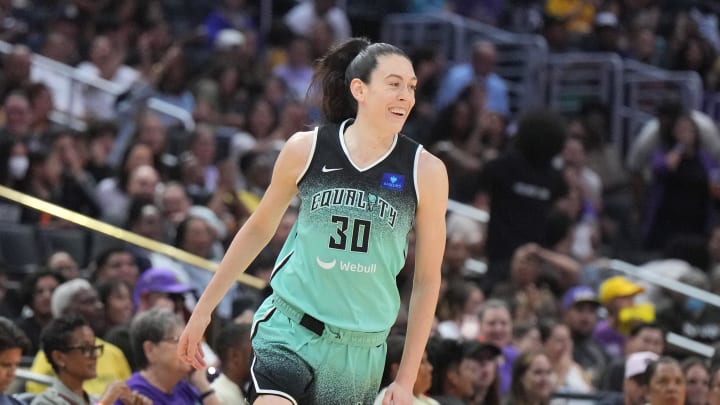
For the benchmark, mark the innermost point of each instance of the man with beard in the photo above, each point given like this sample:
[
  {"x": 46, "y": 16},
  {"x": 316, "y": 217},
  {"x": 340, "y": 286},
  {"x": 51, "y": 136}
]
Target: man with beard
[{"x": 580, "y": 305}]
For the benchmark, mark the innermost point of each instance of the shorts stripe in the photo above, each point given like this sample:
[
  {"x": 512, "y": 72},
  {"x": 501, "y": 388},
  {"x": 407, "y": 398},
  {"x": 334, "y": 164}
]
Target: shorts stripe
[{"x": 261, "y": 391}]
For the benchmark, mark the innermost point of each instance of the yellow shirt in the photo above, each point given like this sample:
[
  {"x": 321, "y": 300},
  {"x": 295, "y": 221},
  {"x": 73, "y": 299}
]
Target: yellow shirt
[
  {"x": 111, "y": 366},
  {"x": 579, "y": 13}
]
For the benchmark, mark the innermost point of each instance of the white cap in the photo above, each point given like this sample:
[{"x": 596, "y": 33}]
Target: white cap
[
  {"x": 637, "y": 363},
  {"x": 606, "y": 19},
  {"x": 229, "y": 38}
]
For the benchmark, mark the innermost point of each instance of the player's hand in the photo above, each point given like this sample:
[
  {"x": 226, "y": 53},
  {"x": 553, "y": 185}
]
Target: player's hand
[
  {"x": 189, "y": 347},
  {"x": 396, "y": 394}
]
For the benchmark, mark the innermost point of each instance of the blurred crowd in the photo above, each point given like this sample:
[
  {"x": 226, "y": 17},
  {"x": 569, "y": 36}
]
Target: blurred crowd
[{"x": 528, "y": 307}]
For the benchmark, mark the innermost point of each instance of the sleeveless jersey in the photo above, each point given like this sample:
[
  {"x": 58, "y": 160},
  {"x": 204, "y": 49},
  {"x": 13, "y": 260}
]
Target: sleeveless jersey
[{"x": 349, "y": 242}]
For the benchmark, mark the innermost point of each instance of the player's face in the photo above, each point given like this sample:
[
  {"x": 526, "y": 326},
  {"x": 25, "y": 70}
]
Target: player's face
[{"x": 390, "y": 93}]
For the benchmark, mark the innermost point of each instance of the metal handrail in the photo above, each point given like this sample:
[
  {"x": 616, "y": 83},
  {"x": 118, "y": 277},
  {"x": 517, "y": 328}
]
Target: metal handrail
[{"x": 28, "y": 375}]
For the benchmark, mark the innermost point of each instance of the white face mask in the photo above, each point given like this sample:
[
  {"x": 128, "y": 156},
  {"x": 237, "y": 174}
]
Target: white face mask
[{"x": 18, "y": 165}]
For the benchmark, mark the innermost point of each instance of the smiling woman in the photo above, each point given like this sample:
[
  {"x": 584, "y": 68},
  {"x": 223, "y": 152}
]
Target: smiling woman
[
  {"x": 362, "y": 187},
  {"x": 70, "y": 347}
]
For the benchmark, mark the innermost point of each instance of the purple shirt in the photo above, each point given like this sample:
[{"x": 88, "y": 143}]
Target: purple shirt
[
  {"x": 183, "y": 393},
  {"x": 609, "y": 339},
  {"x": 509, "y": 354}
]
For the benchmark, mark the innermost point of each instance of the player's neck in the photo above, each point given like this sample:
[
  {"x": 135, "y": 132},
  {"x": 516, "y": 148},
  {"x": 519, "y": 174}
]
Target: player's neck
[{"x": 364, "y": 135}]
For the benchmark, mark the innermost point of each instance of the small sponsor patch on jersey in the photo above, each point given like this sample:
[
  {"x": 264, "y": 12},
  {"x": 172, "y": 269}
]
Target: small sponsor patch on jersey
[{"x": 393, "y": 181}]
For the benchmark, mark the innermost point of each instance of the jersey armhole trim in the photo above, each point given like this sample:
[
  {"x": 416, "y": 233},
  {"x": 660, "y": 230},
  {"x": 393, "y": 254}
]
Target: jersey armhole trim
[
  {"x": 416, "y": 163},
  {"x": 309, "y": 158}
]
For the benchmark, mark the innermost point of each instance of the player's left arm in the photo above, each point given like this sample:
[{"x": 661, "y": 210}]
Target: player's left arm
[{"x": 430, "y": 246}]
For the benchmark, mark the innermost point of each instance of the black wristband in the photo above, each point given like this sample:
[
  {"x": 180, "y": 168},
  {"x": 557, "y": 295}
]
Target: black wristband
[{"x": 206, "y": 394}]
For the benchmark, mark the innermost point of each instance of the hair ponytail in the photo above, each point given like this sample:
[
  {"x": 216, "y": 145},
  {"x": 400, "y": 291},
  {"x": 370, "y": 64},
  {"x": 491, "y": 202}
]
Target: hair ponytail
[{"x": 338, "y": 103}]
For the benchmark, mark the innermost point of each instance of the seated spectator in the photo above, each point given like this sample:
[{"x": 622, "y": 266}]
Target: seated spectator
[
  {"x": 496, "y": 329},
  {"x": 714, "y": 386},
  {"x": 78, "y": 297},
  {"x": 115, "y": 263},
  {"x": 644, "y": 337},
  {"x": 161, "y": 288},
  {"x": 13, "y": 344},
  {"x": 558, "y": 346},
  {"x": 635, "y": 383},
  {"x": 452, "y": 373},
  {"x": 70, "y": 346},
  {"x": 457, "y": 310},
  {"x": 487, "y": 381},
  {"x": 423, "y": 382},
  {"x": 697, "y": 377},
  {"x": 300, "y": 18},
  {"x": 531, "y": 380},
  {"x": 666, "y": 382},
  {"x": 616, "y": 294},
  {"x": 580, "y": 306},
  {"x": 63, "y": 264},
  {"x": 232, "y": 345},
  {"x": 163, "y": 377},
  {"x": 116, "y": 296},
  {"x": 37, "y": 289}
]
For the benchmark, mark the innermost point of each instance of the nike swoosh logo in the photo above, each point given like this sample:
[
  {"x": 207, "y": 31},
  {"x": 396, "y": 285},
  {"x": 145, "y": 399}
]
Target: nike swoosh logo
[
  {"x": 326, "y": 170},
  {"x": 325, "y": 265}
]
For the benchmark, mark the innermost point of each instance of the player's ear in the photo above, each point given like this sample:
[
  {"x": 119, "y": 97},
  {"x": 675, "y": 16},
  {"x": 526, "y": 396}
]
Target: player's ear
[{"x": 358, "y": 89}]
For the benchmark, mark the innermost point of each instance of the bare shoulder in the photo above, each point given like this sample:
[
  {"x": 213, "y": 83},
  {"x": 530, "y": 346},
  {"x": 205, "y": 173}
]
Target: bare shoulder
[
  {"x": 296, "y": 151},
  {"x": 431, "y": 167}
]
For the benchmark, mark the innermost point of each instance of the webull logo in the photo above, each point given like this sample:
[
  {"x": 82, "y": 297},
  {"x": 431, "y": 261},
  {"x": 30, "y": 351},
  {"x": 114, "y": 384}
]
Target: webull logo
[{"x": 346, "y": 266}]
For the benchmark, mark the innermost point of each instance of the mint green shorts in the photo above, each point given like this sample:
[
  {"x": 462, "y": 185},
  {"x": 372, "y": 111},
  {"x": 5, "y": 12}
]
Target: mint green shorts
[{"x": 334, "y": 367}]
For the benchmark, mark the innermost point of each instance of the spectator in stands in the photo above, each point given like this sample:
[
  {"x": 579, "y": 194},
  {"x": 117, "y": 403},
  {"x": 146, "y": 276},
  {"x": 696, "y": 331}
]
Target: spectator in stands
[
  {"x": 615, "y": 294},
  {"x": 487, "y": 380},
  {"x": 681, "y": 196},
  {"x": 635, "y": 382},
  {"x": 163, "y": 377},
  {"x": 13, "y": 344},
  {"x": 18, "y": 118},
  {"x": 481, "y": 68},
  {"x": 649, "y": 139},
  {"x": 527, "y": 292},
  {"x": 424, "y": 379},
  {"x": 496, "y": 329},
  {"x": 199, "y": 234},
  {"x": 116, "y": 296},
  {"x": 73, "y": 352},
  {"x": 15, "y": 73},
  {"x": 531, "y": 379},
  {"x": 41, "y": 105},
  {"x": 78, "y": 298},
  {"x": 568, "y": 375},
  {"x": 456, "y": 139},
  {"x": 526, "y": 336},
  {"x": 63, "y": 264},
  {"x": 606, "y": 35},
  {"x": 62, "y": 49},
  {"x": 37, "y": 289},
  {"x": 644, "y": 337},
  {"x": 696, "y": 54},
  {"x": 556, "y": 34},
  {"x": 580, "y": 305},
  {"x": 645, "y": 46},
  {"x": 105, "y": 63},
  {"x": 457, "y": 310},
  {"x": 142, "y": 183},
  {"x": 202, "y": 146},
  {"x": 297, "y": 70},
  {"x": 161, "y": 288},
  {"x": 300, "y": 18},
  {"x": 112, "y": 192},
  {"x": 232, "y": 345},
  {"x": 521, "y": 187},
  {"x": 666, "y": 382},
  {"x": 234, "y": 14},
  {"x": 697, "y": 378},
  {"x": 174, "y": 203},
  {"x": 453, "y": 372},
  {"x": 152, "y": 131},
  {"x": 98, "y": 143},
  {"x": 578, "y": 15},
  {"x": 714, "y": 385},
  {"x": 115, "y": 263},
  {"x": 79, "y": 183}
]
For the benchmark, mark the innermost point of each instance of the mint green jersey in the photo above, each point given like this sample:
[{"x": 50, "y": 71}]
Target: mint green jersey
[{"x": 350, "y": 240}]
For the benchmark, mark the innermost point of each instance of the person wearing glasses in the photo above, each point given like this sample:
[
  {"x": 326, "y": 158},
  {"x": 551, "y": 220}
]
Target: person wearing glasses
[
  {"x": 70, "y": 346},
  {"x": 163, "y": 377}
]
